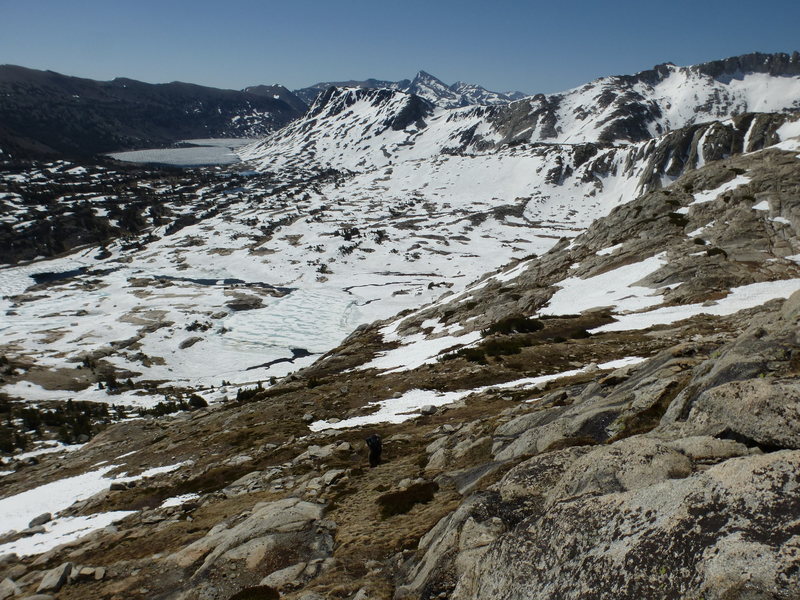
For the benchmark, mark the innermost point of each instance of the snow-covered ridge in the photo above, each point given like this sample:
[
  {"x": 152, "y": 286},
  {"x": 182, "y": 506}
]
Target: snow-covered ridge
[
  {"x": 425, "y": 86},
  {"x": 358, "y": 129}
]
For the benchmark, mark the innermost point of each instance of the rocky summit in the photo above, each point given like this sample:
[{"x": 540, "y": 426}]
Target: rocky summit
[{"x": 581, "y": 355}]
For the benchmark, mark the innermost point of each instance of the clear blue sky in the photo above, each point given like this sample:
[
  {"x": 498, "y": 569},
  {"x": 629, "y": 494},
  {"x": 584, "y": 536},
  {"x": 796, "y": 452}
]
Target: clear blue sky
[{"x": 532, "y": 46}]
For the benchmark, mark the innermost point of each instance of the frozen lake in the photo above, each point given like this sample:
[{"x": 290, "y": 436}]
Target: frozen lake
[{"x": 201, "y": 153}]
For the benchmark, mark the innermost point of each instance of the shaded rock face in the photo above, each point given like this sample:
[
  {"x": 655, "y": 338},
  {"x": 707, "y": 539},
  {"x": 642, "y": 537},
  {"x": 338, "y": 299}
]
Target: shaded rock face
[
  {"x": 278, "y": 92},
  {"x": 780, "y": 64},
  {"x": 46, "y": 112}
]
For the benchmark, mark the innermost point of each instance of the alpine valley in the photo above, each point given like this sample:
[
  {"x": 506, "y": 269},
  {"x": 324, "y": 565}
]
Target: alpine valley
[{"x": 571, "y": 318}]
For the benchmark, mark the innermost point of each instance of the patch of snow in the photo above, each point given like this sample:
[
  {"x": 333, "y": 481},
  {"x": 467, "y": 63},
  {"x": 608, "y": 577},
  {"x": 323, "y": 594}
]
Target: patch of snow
[
  {"x": 416, "y": 351},
  {"x": 32, "y": 392},
  {"x": 710, "y": 195},
  {"x": 20, "y": 509},
  {"x": 609, "y": 250},
  {"x": 151, "y": 472},
  {"x": 61, "y": 531},
  {"x": 614, "y": 289},
  {"x": 399, "y": 410},
  {"x": 763, "y": 205},
  {"x": 790, "y": 129},
  {"x": 178, "y": 500},
  {"x": 699, "y": 231},
  {"x": 48, "y": 447},
  {"x": 739, "y": 298}
]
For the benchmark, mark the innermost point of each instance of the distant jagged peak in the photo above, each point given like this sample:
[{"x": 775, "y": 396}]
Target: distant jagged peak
[
  {"x": 427, "y": 77},
  {"x": 425, "y": 85}
]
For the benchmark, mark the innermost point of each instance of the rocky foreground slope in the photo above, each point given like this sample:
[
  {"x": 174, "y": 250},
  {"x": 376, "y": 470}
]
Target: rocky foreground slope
[{"x": 617, "y": 418}]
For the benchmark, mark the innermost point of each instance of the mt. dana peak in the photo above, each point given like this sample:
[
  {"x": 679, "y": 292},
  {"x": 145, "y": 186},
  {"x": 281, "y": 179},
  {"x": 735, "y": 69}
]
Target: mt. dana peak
[{"x": 424, "y": 85}]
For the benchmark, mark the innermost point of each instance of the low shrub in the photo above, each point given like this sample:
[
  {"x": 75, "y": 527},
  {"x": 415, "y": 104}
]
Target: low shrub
[
  {"x": 402, "y": 501},
  {"x": 514, "y": 324}
]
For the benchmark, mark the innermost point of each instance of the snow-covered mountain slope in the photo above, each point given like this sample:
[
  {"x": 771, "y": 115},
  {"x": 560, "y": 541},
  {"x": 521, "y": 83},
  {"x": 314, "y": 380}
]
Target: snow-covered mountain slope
[
  {"x": 359, "y": 129},
  {"x": 243, "y": 279},
  {"x": 650, "y": 103},
  {"x": 425, "y": 86},
  {"x": 721, "y": 240},
  {"x": 269, "y": 268}
]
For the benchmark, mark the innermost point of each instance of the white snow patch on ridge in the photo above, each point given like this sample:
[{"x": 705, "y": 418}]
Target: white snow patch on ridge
[
  {"x": 615, "y": 288},
  {"x": 417, "y": 351},
  {"x": 739, "y": 298},
  {"x": 178, "y": 500},
  {"x": 789, "y": 130},
  {"x": 609, "y": 250},
  {"x": 17, "y": 511},
  {"x": 407, "y": 406},
  {"x": 709, "y": 195}
]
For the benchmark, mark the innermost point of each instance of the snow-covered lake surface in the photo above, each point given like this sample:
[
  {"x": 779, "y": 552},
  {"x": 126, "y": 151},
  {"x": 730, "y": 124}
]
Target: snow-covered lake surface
[{"x": 205, "y": 152}]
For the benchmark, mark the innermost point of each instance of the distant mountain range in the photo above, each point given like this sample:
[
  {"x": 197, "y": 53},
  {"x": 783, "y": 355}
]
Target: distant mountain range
[
  {"x": 43, "y": 112},
  {"x": 47, "y": 113},
  {"x": 423, "y": 85},
  {"x": 359, "y": 129}
]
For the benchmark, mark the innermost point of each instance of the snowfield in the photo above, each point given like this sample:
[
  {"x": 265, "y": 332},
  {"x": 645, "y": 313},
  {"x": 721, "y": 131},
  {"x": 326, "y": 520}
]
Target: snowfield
[
  {"x": 373, "y": 203},
  {"x": 338, "y": 254}
]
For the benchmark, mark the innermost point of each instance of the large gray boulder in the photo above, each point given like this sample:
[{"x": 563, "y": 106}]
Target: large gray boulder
[
  {"x": 629, "y": 464},
  {"x": 269, "y": 527},
  {"x": 54, "y": 579},
  {"x": 729, "y": 532},
  {"x": 764, "y": 412},
  {"x": 8, "y": 589}
]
